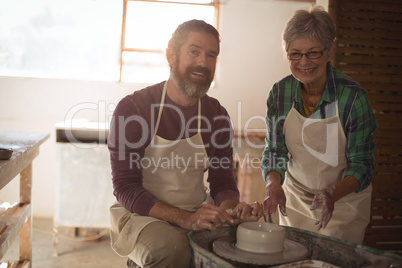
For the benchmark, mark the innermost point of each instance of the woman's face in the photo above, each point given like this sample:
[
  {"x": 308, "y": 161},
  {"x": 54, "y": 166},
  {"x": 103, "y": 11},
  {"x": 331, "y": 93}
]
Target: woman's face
[{"x": 310, "y": 72}]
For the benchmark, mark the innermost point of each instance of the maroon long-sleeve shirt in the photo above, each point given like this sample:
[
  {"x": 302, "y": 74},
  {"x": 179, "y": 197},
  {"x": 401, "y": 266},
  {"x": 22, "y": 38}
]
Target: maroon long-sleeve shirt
[{"x": 131, "y": 131}]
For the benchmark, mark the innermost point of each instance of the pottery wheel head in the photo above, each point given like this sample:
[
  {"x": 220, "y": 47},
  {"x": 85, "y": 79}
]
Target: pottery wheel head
[{"x": 226, "y": 248}]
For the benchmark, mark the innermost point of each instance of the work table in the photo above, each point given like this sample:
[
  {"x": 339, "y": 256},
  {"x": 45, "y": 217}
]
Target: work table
[{"x": 16, "y": 220}]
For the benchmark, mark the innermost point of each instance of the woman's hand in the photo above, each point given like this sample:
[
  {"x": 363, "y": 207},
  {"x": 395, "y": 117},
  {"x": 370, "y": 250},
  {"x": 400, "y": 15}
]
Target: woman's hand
[
  {"x": 325, "y": 199},
  {"x": 274, "y": 196}
]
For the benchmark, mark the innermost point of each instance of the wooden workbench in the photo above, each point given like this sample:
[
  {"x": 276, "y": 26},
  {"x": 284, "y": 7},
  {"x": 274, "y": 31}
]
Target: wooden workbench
[{"x": 16, "y": 220}]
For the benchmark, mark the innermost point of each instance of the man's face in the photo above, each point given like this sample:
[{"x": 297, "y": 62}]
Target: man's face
[{"x": 194, "y": 67}]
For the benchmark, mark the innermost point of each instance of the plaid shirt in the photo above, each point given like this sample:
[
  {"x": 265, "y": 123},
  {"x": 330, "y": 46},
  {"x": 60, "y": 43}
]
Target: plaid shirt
[{"x": 356, "y": 115}]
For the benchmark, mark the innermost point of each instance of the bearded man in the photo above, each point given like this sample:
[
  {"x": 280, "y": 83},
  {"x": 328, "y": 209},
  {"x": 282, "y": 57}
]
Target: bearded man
[{"x": 162, "y": 140}]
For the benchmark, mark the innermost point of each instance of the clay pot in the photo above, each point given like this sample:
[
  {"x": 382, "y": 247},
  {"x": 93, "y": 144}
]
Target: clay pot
[{"x": 260, "y": 237}]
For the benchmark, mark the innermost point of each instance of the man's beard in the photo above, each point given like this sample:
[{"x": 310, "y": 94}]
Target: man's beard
[{"x": 191, "y": 89}]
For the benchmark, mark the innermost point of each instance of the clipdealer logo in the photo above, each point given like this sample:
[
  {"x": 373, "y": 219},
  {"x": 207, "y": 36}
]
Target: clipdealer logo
[
  {"x": 100, "y": 114},
  {"x": 103, "y": 112}
]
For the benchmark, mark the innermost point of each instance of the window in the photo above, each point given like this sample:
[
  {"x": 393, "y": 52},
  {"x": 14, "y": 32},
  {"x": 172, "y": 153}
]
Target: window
[
  {"x": 84, "y": 39},
  {"x": 74, "y": 39}
]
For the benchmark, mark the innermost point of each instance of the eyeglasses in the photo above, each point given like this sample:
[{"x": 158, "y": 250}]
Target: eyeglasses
[{"x": 312, "y": 55}]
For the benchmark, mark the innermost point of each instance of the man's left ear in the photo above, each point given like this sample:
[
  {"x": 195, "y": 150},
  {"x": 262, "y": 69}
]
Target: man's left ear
[{"x": 170, "y": 55}]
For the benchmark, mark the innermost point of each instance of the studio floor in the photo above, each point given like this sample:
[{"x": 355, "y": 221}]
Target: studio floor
[{"x": 73, "y": 251}]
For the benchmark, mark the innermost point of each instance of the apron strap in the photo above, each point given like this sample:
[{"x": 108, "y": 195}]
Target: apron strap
[
  {"x": 160, "y": 108},
  {"x": 199, "y": 115}
]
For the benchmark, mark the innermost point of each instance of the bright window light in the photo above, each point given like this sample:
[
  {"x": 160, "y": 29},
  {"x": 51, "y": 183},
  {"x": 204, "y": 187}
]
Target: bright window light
[
  {"x": 81, "y": 39},
  {"x": 75, "y": 39}
]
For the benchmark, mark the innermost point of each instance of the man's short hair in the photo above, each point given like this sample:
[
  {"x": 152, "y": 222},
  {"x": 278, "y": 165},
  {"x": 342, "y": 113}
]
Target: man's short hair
[{"x": 179, "y": 37}]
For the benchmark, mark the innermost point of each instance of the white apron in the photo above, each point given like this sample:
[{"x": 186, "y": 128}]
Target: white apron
[
  {"x": 317, "y": 160},
  {"x": 176, "y": 179}
]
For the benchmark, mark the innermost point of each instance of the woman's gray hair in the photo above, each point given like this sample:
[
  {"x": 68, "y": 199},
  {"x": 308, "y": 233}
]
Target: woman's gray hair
[{"x": 313, "y": 24}]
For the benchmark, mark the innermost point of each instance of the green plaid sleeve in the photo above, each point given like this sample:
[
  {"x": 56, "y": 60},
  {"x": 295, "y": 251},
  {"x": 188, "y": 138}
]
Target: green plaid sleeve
[
  {"x": 360, "y": 126},
  {"x": 279, "y": 102}
]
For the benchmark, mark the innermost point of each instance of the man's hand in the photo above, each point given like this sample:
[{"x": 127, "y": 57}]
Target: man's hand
[
  {"x": 244, "y": 212},
  {"x": 274, "y": 196},
  {"x": 209, "y": 217}
]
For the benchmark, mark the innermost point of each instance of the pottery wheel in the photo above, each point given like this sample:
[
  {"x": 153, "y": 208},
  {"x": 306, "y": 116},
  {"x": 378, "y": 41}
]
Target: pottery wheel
[{"x": 292, "y": 251}]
